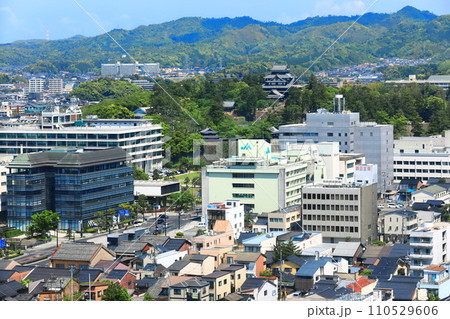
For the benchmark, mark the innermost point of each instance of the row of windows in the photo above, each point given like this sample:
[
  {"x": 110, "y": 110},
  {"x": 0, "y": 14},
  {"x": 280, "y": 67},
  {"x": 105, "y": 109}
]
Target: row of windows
[
  {"x": 349, "y": 208},
  {"x": 406, "y": 170},
  {"x": 240, "y": 195},
  {"x": 101, "y": 136},
  {"x": 296, "y": 172},
  {"x": 333, "y": 218},
  {"x": 276, "y": 220},
  {"x": 330, "y": 196},
  {"x": 420, "y": 163},
  {"x": 337, "y": 229},
  {"x": 243, "y": 175},
  {"x": 241, "y": 185}
]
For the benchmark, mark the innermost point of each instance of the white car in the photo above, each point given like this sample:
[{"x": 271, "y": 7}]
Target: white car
[
  {"x": 392, "y": 206},
  {"x": 201, "y": 225}
]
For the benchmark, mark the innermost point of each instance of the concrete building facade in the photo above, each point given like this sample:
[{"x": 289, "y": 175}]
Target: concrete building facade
[
  {"x": 340, "y": 211},
  {"x": 373, "y": 140}
]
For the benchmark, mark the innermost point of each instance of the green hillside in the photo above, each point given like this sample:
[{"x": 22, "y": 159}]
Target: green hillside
[{"x": 409, "y": 33}]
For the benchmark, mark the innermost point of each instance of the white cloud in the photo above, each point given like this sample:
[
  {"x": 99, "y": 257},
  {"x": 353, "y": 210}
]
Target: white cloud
[{"x": 11, "y": 17}]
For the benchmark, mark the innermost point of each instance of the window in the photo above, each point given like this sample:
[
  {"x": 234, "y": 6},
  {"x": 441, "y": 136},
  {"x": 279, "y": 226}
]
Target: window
[
  {"x": 220, "y": 283},
  {"x": 265, "y": 292},
  {"x": 177, "y": 291},
  {"x": 243, "y": 175}
]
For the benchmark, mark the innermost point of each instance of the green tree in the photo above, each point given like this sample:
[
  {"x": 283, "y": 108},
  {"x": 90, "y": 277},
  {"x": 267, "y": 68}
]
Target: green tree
[
  {"x": 155, "y": 175},
  {"x": 127, "y": 206},
  {"x": 283, "y": 250},
  {"x": 41, "y": 223},
  {"x": 115, "y": 292},
  {"x": 103, "y": 219},
  {"x": 148, "y": 297},
  {"x": 139, "y": 174},
  {"x": 433, "y": 297},
  {"x": 182, "y": 201}
]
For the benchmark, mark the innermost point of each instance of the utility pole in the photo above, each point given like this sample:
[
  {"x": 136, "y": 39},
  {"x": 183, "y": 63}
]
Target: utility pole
[{"x": 71, "y": 279}]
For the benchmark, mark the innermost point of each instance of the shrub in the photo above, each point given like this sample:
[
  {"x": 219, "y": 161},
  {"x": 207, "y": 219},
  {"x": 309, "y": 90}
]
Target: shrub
[
  {"x": 13, "y": 233},
  {"x": 266, "y": 273}
]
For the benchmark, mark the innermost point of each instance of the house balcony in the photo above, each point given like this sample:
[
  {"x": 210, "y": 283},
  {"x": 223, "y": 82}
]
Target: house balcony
[
  {"x": 418, "y": 267},
  {"x": 421, "y": 244},
  {"x": 421, "y": 256}
]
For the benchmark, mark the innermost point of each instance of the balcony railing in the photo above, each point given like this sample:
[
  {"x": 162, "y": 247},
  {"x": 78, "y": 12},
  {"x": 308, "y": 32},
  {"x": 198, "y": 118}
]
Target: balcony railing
[{"x": 421, "y": 256}]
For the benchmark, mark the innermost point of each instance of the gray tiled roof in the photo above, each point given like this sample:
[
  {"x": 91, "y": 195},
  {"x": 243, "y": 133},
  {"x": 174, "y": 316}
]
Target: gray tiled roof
[
  {"x": 216, "y": 274},
  {"x": 247, "y": 257},
  {"x": 192, "y": 282},
  {"x": 129, "y": 247},
  {"x": 178, "y": 265},
  {"x": 78, "y": 251}
]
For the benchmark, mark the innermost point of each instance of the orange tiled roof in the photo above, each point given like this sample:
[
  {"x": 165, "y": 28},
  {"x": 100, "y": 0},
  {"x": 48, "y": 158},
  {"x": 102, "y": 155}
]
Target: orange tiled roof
[
  {"x": 222, "y": 226},
  {"x": 357, "y": 286},
  {"x": 435, "y": 268}
]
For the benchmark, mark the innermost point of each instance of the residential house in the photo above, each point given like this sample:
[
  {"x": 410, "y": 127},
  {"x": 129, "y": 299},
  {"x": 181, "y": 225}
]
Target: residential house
[
  {"x": 221, "y": 235},
  {"x": 79, "y": 255},
  {"x": 237, "y": 276},
  {"x": 229, "y": 210},
  {"x": 192, "y": 265},
  {"x": 311, "y": 271},
  {"x": 10, "y": 290},
  {"x": 193, "y": 289},
  {"x": 348, "y": 250},
  {"x": 178, "y": 244},
  {"x": 133, "y": 248},
  {"x": 253, "y": 262},
  {"x": 289, "y": 265},
  {"x": 56, "y": 288},
  {"x": 435, "y": 280},
  {"x": 434, "y": 192},
  {"x": 219, "y": 284},
  {"x": 285, "y": 219},
  {"x": 125, "y": 278},
  {"x": 389, "y": 266},
  {"x": 404, "y": 287},
  {"x": 261, "y": 289},
  {"x": 242, "y": 237},
  {"x": 397, "y": 225},
  {"x": 262, "y": 243},
  {"x": 94, "y": 290},
  {"x": 363, "y": 286}
]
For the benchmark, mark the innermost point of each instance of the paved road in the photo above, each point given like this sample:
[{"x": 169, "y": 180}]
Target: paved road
[{"x": 40, "y": 254}]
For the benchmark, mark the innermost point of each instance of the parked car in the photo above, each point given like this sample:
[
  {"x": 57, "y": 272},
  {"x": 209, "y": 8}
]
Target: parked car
[
  {"x": 392, "y": 206},
  {"x": 164, "y": 216},
  {"x": 201, "y": 225}
]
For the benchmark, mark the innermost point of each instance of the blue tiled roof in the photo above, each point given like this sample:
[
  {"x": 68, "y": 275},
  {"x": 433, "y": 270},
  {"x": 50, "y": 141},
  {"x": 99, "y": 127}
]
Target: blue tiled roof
[
  {"x": 385, "y": 268},
  {"x": 404, "y": 286},
  {"x": 309, "y": 268},
  {"x": 400, "y": 250},
  {"x": 245, "y": 236},
  {"x": 116, "y": 274},
  {"x": 174, "y": 243}
]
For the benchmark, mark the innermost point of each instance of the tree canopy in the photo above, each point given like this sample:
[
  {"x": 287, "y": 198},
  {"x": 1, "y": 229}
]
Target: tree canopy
[
  {"x": 115, "y": 292},
  {"x": 42, "y": 222}
]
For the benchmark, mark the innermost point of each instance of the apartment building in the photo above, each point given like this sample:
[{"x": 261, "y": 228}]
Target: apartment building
[
  {"x": 422, "y": 157},
  {"x": 285, "y": 219},
  {"x": 230, "y": 210},
  {"x": 372, "y": 139},
  {"x": 340, "y": 211},
  {"x": 65, "y": 128},
  {"x": 125, "y": 69},
  {"x": 429, "y": 246},
  {"x": 397, "y": 225},
  {"x": 55, "y": 86}
]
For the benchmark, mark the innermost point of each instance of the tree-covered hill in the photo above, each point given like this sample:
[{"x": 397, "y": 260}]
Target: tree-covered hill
[{"x": 408, "y": 33}]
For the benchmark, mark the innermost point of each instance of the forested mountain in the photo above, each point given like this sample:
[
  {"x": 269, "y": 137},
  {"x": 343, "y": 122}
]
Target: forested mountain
[{"x": 408, "y": 33}]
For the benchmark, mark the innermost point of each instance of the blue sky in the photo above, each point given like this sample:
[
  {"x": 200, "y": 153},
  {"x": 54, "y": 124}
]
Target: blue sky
[{"x": 57, "y": 19}]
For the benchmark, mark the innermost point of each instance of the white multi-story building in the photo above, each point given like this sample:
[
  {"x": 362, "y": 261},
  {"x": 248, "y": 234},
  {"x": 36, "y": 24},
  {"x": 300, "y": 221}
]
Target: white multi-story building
[
  {"x": 55, "y": 86},
  {"x": 422, "y": 157},
  {"x": 231, "y": 210},
  {"x": 139, "y": 137},
  {"x": 340, "y": 211},
  {"x": 429, "y": 246},
  {"x": 36, "y": 85},
  {"x": 372, "y": 139},
  {"x": 124, "y": 69},
  {"x": 262, "y": 185}
]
